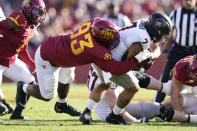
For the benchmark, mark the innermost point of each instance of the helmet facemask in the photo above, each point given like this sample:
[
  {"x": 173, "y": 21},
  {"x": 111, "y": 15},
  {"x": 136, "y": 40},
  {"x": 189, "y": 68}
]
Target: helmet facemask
[{"x": 34, "y": 11}]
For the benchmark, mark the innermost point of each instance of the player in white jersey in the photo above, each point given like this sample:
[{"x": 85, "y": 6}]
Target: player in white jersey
[{"x": 138, "y": 37}]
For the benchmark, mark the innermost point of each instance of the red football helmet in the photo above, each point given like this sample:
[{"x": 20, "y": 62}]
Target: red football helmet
[
  {"x": 193, "y": 65},
  {"x": 34, "y": 11},
  {"x": 106, "y": 34}
]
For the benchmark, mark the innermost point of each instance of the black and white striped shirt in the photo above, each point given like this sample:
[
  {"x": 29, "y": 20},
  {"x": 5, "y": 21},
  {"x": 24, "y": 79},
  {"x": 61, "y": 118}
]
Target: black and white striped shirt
[{"x": 185, "y": 24}]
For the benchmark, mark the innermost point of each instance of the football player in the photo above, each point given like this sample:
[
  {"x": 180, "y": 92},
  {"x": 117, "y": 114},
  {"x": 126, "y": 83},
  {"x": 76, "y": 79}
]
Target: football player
[
  {"x": 187, "y": 101},
  {"x": 15, "y": 33},
  {"x": 143, "y": 36},
  {"x": 184, "y": 76},
  {"x": 58, "y": 54}
]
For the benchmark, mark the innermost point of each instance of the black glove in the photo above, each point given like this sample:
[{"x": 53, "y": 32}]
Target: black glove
[{"x": 147, "y": 63}]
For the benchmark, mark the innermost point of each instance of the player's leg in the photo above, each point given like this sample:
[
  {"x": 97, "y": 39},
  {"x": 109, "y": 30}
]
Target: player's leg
[
  {"x": 143, "y": 109},
  {"x": 148, "y": 82},
  {"x": 97, "y": 88},
  {"x": 46, "y": 90},
  {"x": 66, "y": 76},
  {"x": 189, "y": 105},
  {"x": 3, "y": 108},
  {"x": 18, "y": 71},
  {"x": 130, "y": 84}
]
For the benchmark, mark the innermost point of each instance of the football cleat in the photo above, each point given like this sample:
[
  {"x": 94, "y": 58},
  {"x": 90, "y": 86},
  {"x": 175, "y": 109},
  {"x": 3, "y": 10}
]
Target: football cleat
[
  {"x": 66, "y": 108},
  {"x": 116, "y": 119},
  {"x": 3, "y": 109},
  {"x": 9, "y": 107},
  {"x": 86, "y": 117},
  {"x": 16, "y": 115},
  {"x": 21, "y": 96}
]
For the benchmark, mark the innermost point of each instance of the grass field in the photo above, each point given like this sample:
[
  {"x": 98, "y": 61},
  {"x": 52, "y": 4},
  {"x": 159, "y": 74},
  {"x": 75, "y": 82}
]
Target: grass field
[{"x": 45, "y": 119}]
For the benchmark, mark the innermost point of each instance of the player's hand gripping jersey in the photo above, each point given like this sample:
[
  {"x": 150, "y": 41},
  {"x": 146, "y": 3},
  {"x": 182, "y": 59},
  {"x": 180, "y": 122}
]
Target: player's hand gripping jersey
[
  {"x": 181, "y": 71},
  {"x": 15, "y": 42},
  {"x": 80, "y": 48}
]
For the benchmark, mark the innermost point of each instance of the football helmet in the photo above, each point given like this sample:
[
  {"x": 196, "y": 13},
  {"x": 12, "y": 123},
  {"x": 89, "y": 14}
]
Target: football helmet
[
  {"x": 158, "y": 26},
  {"x": 105, "y": 33},
  {"x": 34, "y": 11}
]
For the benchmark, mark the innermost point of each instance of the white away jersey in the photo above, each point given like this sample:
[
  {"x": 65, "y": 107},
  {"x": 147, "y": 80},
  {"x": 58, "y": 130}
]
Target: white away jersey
[{"x": 128, "y": 35}]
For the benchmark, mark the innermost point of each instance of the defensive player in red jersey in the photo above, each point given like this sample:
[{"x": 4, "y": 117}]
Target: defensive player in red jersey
[
  {"x": 184, "y": 75},
  {"x": 15, "y": 33},
  {"x": 58, "y": 54}
]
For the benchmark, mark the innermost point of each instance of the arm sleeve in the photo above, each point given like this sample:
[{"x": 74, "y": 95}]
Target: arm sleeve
[
  {"x": 25, "y": 57},
  {"x": 115, "y": 67}
]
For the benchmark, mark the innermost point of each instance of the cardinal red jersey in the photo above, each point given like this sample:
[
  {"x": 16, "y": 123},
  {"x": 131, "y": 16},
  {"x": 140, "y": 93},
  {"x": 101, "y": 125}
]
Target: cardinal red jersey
[
  {"x": 80, "y": 48},
  {"x": 13, "y": 42},
  {"x": 181, "y": 72}
]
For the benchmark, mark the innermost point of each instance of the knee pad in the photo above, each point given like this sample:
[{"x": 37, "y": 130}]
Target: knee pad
[
  {"x": 166, "y": 113},
  {"x": 144, "y": 79}
]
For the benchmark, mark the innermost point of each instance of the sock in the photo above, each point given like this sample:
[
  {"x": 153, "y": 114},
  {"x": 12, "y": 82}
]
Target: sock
[
  {"x": 193, "y": 118},
  {"x": 25, "y": 88},
  {"x": 91, "y": 104},
  {"x": 62, "y": 100},
  {"x": 117, "y": 110},
  {"x": 166, "y": 88}
]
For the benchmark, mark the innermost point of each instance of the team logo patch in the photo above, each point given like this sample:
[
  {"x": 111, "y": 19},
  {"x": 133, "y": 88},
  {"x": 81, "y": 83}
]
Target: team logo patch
[{"x": 107, "y": 34}]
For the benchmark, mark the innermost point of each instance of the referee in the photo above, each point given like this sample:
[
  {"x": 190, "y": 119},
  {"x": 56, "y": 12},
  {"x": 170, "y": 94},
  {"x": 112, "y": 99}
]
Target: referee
[{"x": 184, "y": 40}]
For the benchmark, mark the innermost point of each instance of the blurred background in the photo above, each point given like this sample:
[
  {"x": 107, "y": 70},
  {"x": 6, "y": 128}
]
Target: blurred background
[{"x": 66, "y": 15}]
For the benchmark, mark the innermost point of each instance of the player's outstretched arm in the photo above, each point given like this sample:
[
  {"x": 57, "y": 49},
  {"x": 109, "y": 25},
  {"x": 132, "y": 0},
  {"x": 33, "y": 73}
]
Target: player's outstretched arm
[
  {"x": 25, "y": 57},
  {"x": 175, "y": 94}
]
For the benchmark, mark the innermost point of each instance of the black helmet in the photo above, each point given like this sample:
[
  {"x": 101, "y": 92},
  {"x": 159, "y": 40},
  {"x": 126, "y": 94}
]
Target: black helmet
[{"x": 158, "y": 25}]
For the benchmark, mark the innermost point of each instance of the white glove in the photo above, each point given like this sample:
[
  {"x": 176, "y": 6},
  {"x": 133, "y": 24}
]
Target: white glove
[{"x": 143, "y": 55}]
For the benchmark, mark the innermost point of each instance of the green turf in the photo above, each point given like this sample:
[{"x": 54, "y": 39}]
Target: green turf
[{"x": 45, "y": 119}]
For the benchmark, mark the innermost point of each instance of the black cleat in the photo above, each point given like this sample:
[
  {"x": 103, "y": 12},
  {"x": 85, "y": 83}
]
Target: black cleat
[
  {"x": 86, "y": 117},
  {"x": 21, "y": 96},
  {"x": 9, "y": 107},
  {"x": 3, "y": 109},
  {"x": 116, "y": 119},
  {"x": 65, "y": 108},
  {"x": 17, "y": 115}
]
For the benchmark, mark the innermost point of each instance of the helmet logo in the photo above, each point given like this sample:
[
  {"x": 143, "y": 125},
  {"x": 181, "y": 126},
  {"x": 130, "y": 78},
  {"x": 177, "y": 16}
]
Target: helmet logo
[{"x": 107, "y": 34}]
